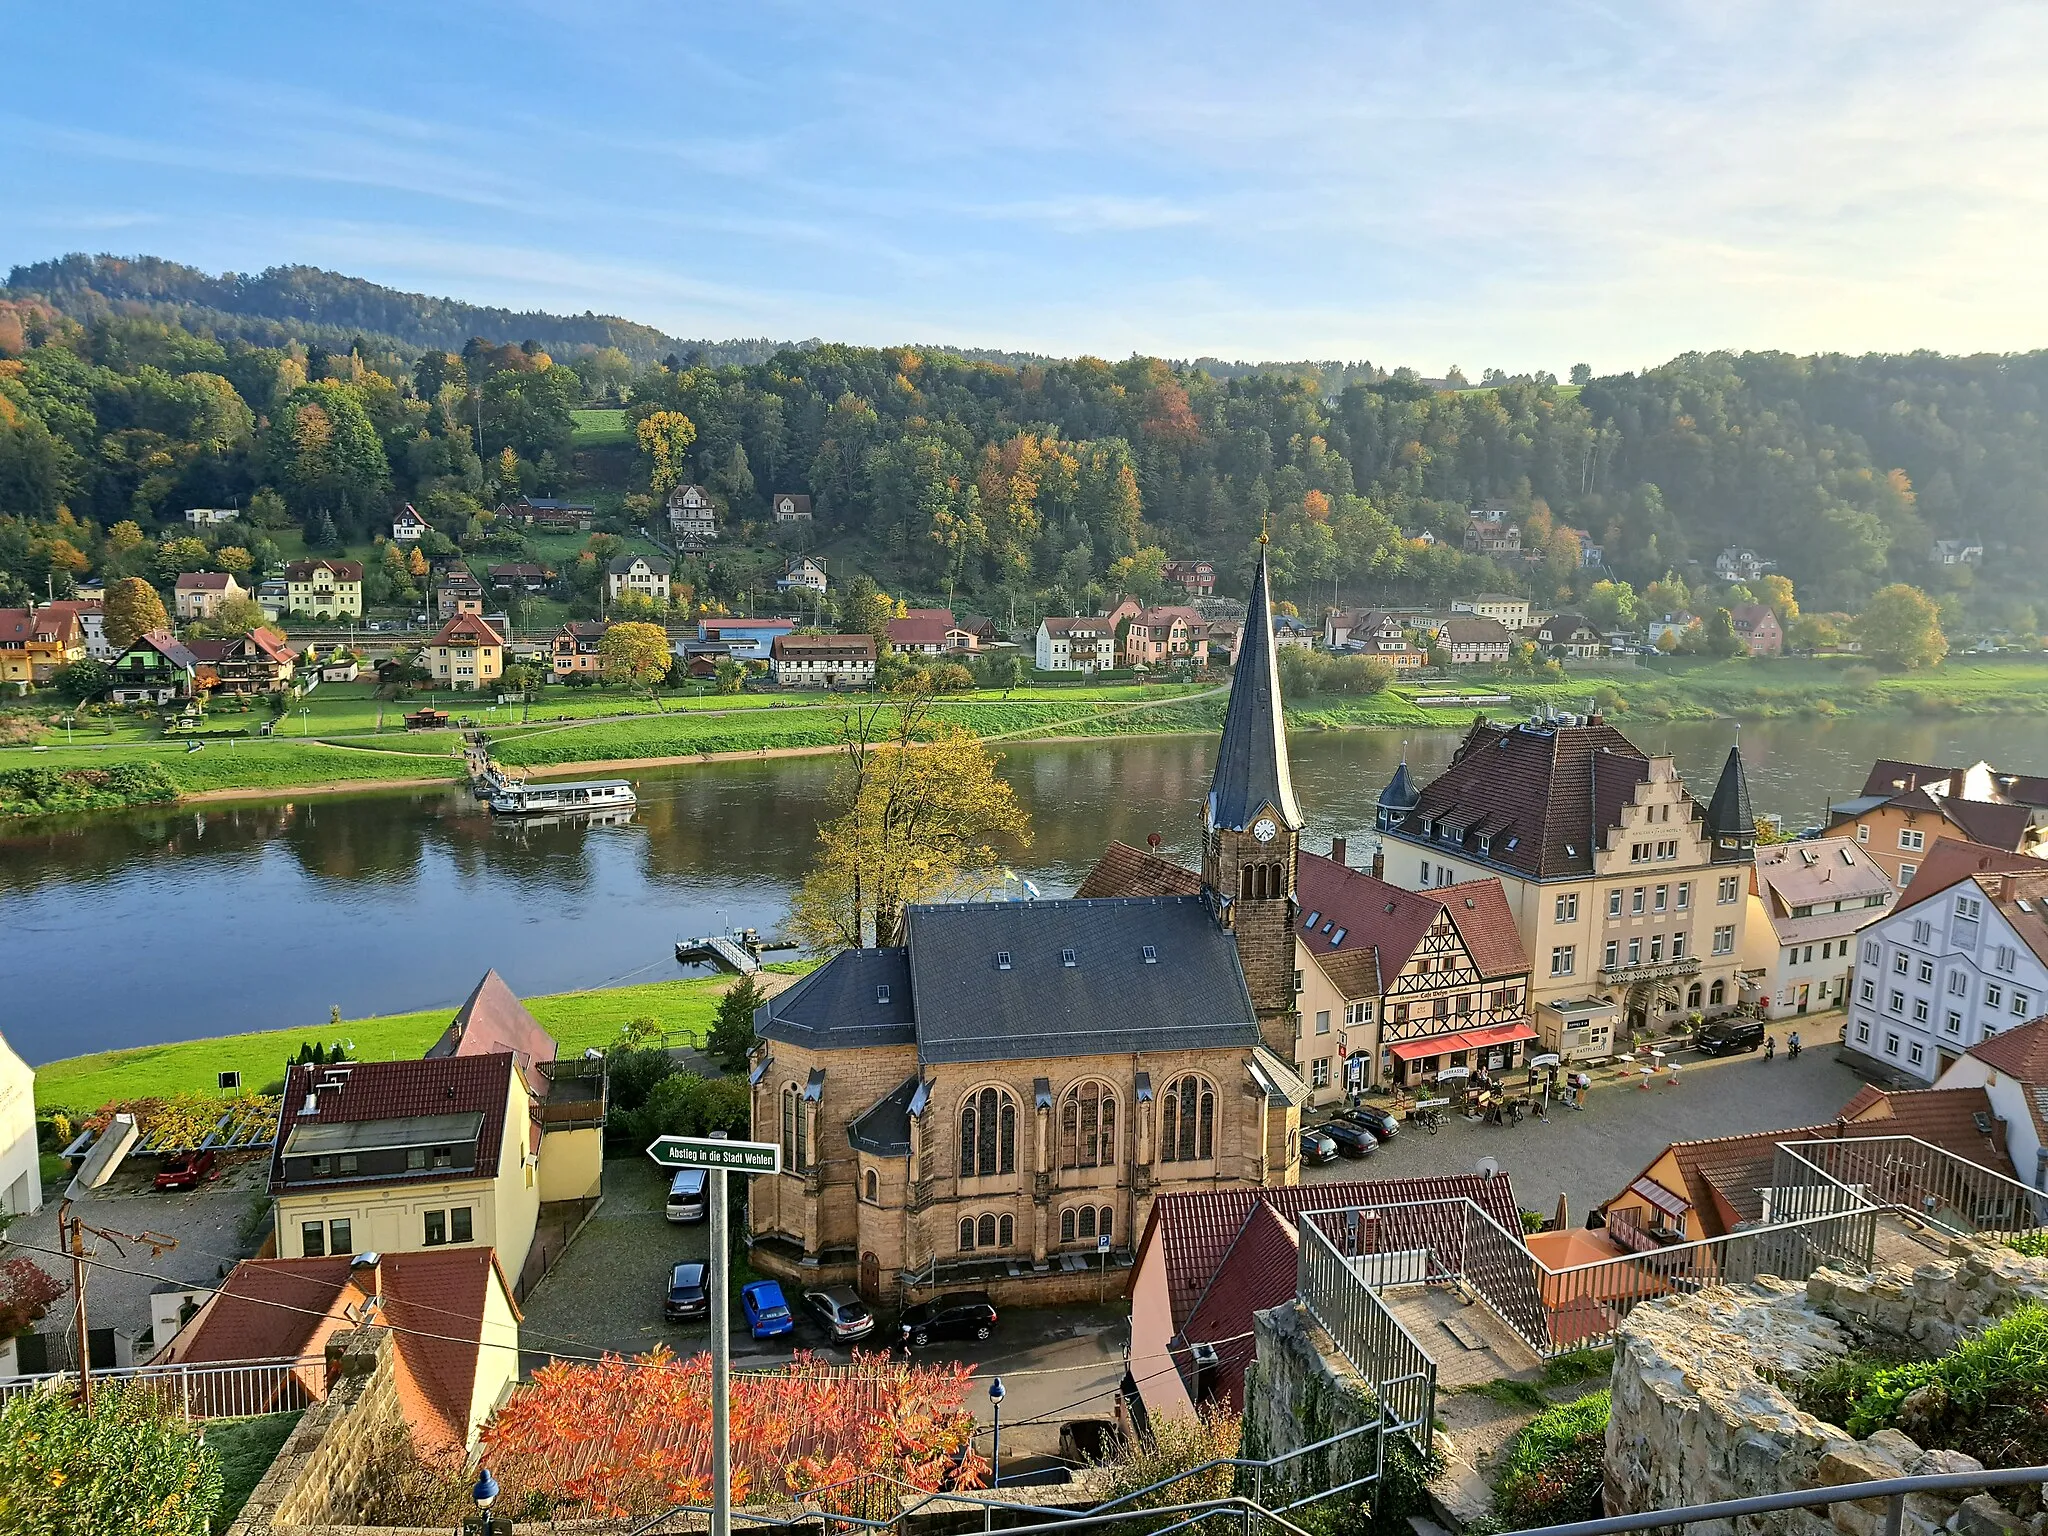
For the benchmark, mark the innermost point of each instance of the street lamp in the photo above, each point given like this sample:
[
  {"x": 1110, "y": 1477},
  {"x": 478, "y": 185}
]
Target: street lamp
[
  {"x": 995, "y": 1455},
  {"x": 485, "y": 1493}
]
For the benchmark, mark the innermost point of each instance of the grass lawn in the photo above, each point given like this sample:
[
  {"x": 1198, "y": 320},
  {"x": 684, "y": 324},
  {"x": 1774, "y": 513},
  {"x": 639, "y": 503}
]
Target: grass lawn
[
  {"x": 577, "y": 1020},
  {"x": 252, "y": 765},
  {"x": 600, "y": 429},
  {"x": 245, "y": 1448}
]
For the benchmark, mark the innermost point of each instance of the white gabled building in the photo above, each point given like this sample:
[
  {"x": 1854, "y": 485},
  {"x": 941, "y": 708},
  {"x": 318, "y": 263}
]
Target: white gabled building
[
  {"x": 1808, "y": 899},
  {"x": 1076, "y": 645},
  {"x": 1960, "y": 960},
  {"x": 21, "y": 1178},
  {"x": 2012, "y": 1069}
]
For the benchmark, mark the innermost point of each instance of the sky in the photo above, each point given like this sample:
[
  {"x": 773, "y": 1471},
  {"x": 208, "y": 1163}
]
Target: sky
[{"x": 1480, "y": 184}]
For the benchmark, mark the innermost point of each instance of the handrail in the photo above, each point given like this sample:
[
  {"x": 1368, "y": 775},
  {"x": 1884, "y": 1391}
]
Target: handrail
[{"x": 1894, "y": 1488}]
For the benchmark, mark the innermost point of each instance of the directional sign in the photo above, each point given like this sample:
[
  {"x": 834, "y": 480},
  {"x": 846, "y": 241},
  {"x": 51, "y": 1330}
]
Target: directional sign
[{"x": 705, "y": 1152}]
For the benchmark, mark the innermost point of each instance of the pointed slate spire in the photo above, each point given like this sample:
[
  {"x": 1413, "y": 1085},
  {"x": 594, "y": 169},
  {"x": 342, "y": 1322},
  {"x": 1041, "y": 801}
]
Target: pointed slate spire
[
  {"x": 1251, "y": 763},
  {"x": 1398, "y": 798},
  {"x": 1730, "y": 823}
]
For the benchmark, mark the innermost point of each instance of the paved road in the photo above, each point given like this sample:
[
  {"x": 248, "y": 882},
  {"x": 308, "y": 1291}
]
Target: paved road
[{"x": 1591, "y": 1155}]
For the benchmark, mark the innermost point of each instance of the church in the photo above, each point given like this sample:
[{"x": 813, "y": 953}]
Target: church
[{"x": 996, "y": 1103}]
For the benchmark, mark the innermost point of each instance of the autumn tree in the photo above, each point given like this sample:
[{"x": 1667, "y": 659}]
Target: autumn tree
[
  {"x": 133, "y": 608},
  {"x": 634, "y": 1436},
  {"x": 1901, "y": 625},
  {"x": 918, "y": 802},
  {"x": 236, "y": 616},
  {"x": 1721, "y": 639},
  {"x": 128, "y": 1463},
  {"x": 634, "y": 653},
  {"x": 665, "y": 439},
  {"x": 1612, "y": 605},
  {"x": 1776, "y": 593}
]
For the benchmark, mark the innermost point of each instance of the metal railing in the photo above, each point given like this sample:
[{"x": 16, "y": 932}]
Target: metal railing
[
  {"x": 1402, "y": 1375},
  {"x": 1905, "y": 1173},
  {"x": 233, "y": 1391}
]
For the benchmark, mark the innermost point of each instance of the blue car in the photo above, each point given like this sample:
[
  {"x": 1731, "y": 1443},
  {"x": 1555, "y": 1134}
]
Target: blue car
[{"x": 767, "y": 1313}]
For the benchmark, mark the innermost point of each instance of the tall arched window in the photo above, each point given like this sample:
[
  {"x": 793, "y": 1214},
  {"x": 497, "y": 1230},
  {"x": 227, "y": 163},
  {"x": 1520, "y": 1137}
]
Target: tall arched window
[
  {"x": 1088, "y": 1126},
  {"x": 874, "y": 1185},
  {"x": 1067, "y": 1225},
  {"x": 988, "y": 1134},
  {"x": 967, "y": 1234},
  {"x": 1087, "y": 1221},
  {"x": 1715, "y": 994},
  {"x": 986, "y": 1235},
  {"x": 1187, "y": 1121},
  {"x": 1007, "y": 1238},
  {"x": 795, "y": 1133}
]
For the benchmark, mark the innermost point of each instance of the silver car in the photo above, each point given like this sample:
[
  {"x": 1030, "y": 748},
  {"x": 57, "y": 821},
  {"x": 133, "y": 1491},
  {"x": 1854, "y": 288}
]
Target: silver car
[{"x": 845, "y": 1316}]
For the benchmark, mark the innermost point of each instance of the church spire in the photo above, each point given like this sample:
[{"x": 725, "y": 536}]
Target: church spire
[
  {"x": 1251, "y": 762},
  {"x": 1731, "y": 825}
]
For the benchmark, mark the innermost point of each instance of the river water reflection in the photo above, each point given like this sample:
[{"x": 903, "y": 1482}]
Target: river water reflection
[{"x": 128, "y": 929}]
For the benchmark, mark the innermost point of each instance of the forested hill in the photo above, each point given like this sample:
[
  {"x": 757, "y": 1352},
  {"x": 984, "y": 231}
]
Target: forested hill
[{"x": 330, "y": 309}]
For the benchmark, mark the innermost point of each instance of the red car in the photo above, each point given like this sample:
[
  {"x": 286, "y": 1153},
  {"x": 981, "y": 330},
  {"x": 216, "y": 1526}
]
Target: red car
[{"x": 186, "y": 1171}]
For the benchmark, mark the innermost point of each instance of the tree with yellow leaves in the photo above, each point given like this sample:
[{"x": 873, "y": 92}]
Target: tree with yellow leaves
[
  {"x": 665, "y": 438},
  {"x": 634, "y": 653},
  {"x": 919, "y": 802}
]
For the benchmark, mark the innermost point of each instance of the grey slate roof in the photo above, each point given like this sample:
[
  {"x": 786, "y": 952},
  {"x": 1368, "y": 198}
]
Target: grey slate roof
[
  {"x": 884, "y": 1127},
  {"x": 1251, "y": 761},
  {"x": 1109, "y": 1001},
  {"x": 836, "y": 1007},
  {"x": 1728, "y": 813}
]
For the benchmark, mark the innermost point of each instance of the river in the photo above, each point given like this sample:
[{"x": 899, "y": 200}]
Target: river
[{"x": 142, "y": 927}]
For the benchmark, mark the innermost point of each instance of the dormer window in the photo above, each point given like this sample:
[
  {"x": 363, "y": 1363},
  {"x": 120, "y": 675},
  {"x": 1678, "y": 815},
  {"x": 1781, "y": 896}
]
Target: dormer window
[
  {"x": 1486, "y": 843},
  {"x": 1068, "y": 958},
  {"x": 1002, "y": 959},
  {"x": 881, "y": 994}
]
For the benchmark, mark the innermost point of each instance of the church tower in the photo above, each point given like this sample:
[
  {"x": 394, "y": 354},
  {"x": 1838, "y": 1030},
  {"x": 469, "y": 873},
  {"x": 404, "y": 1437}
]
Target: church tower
[{"x": 1251, "y": 828}]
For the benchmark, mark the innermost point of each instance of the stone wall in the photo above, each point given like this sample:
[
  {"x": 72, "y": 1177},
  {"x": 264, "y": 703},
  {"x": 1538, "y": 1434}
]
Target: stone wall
[
  {"x": 316, "y": 1474},
  {"x": 1301, "y": 1390},
  {"x": 1699, "y": 1415}
]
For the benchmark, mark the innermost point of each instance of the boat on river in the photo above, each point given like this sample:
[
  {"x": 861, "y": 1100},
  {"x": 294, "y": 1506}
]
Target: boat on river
[{"x": 528, "y": 799}]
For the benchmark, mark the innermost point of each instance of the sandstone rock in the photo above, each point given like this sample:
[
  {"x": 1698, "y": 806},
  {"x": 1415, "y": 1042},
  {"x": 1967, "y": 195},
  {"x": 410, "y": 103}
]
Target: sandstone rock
[{"x": 1982, "y": 1515}]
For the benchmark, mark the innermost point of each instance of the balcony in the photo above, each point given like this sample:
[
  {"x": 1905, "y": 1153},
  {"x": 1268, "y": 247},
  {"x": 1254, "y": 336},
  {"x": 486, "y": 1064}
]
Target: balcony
[{"x": 1652, "y": 970}]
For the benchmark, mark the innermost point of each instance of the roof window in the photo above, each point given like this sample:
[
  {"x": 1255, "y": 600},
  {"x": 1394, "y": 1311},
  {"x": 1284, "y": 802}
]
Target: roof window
[
  {"x": 1338, "y": 937},
  {"x": 1067, "y": 958},
  {"x": 881, "y": 994},
  {"x": 1151, "y": 955},
  {"x": 1002, "y": 959},
  {"x": 1313, "y": 918}
]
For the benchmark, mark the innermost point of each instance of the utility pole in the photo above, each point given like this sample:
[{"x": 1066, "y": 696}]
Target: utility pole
[{"x": 71, "y": 1230}]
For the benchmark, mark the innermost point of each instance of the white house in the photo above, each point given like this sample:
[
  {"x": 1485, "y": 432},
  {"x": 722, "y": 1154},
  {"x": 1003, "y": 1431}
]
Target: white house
[
  {"x": 789, "y": 507},
  {"x": 1956, "y": 552},
  {"x": 1511, "y": 611},
  {"x": 408, "y": 527},
  {"x": 1736, "y": 564},
  {"x": 1076, "y": 645},
  {"x": 804, "y": 574},
  {"x": 206, "y": 517},
  {"x": 692, "y": 515},
  {"x": 2012, "y": 1069},
  {"x": 21, "y": 1179},
  {"x": 1962, "y": 958},
  {"x": 645, "y": 575},
  {"x": 1807, "y": 900}
]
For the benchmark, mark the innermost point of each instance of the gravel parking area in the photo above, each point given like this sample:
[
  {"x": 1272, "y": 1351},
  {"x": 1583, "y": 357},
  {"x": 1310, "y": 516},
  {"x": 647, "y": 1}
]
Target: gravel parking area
[{"x": 1591, "y": 1154}]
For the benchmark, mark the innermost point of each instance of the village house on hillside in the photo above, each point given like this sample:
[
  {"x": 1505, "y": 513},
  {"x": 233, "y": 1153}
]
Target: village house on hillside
[
  {"x": 1075, "y": 645},
  {"x": 465, "y": 653},
  {"x": 199, "y": 594},
  {"x": 822, "y": 661},
  {"x": 642, "y": 575},
  {"x": 324, "y": 589},
  {"x": 408, "y": 527},
  {"x": 1006, "y": 1093},
  {"x": 692, "y": 516},
  {"x": 575, "y": 647},
  {"x": 790, "y": 507}
]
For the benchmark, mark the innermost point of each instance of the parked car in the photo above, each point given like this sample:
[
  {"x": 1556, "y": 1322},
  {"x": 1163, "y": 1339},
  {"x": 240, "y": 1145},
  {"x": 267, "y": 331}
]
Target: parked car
[
  {"x": 689, "y": 1293},
  {"x": 1352, "y": 1140},
  {"x": 845, "y": 1316},
  {"x": 961, "y": 1315},
  {"x": 1317, "y": 1148},
  {"x": 686, "y": 1198},
  {"x": 1383, "y": 1125},
  {"x": 1724, "y": 1037},
  {"x": 766, "y": 1312},
  {"x": 188, "y": 1170}
]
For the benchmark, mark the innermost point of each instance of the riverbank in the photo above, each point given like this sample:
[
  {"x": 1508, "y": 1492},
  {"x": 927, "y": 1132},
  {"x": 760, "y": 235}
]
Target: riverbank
[
  {"x": 350, "y": 755},
  {"x": 578, "y": 1020}
]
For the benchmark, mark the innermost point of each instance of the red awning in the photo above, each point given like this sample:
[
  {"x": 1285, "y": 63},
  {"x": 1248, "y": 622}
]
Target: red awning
[{"x": 1467, "y": 1040}]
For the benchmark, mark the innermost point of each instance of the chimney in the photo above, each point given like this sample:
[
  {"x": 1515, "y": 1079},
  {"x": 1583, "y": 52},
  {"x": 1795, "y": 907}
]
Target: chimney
[
  {"x": 1337, "y": 849},
  {"x": 1379, "y": 863}
]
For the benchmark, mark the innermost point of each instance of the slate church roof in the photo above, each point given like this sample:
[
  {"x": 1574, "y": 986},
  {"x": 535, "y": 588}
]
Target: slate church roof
[{"x": 1251, "y": 761}]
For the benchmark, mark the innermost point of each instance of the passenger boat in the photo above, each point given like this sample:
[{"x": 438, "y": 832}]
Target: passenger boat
[{"x": 529, "y": 799}]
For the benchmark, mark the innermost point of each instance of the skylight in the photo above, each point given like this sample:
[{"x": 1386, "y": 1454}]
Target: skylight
[
  {"x": 1067, "y": 957},
  {"x": 1002, "y": 959},
  {"x": 881, "y": 994},
  {"x": 1338, "y": 937},
  {"x": 1151, "y": 955},
  {"x": 1314, "y": 918}
]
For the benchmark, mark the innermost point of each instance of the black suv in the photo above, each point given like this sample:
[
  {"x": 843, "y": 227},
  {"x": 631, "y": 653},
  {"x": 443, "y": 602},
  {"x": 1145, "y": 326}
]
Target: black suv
[
  {"x": 1383, "y": 1126},
  {"x": 1724, "y": 1037},
  {"x": 962, "y": 1315},
  {"x": 689, "y": 1294}
]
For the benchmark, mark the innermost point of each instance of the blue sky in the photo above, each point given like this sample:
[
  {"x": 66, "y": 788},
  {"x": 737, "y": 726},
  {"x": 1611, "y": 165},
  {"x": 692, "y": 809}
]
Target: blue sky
[{"x": 1513, "y": 185}]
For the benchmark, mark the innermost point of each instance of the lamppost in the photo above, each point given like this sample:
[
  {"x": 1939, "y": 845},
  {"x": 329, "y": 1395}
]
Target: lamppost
[
  {"x": 995, "y": 1455},
  {"x": 485, "y": 1493}
]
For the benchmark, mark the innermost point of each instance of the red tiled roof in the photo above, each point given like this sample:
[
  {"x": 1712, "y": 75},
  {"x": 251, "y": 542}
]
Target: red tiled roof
[
  {"x": 1951, "y": 860},
  {"x": 399, "y": 1090},
  {"x": 273, "y": 1309},
  {"x": 1197, "y": 1227},
  {"x": 494, "y": 1021},
  {"x": 861, "y": 646},
  {"x": 438, "y": 1298},
  {"x": 1126, "y": 871},
  {"x": 1941, "y": 1117},
  {"x": 2020, "y": 1053},
  {"x": 14, "y": 624},
  {"x": 1258, "y": 1272},
  {"x": 203, "y": 581},
  {"x": 1391, "y": 921},
  {"x": 466, "y": 629},
  {"x": 1545, "y": 795},
  {"x": 922, "y": 626}
]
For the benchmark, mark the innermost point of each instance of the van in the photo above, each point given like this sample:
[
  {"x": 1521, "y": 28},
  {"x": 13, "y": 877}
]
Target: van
[{"x": 686, "y": 1198}]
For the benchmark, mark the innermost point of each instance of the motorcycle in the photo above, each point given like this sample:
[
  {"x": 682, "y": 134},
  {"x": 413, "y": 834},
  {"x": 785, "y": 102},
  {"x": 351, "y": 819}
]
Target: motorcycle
[
  {"x": 1770, "y": 1047},
  {"x": 1792, "y": 1049}
]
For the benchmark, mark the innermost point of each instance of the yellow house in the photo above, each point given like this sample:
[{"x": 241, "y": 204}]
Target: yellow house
[
  {"x": 325, "y": 589},
  {"x": 466, "y": 653}
]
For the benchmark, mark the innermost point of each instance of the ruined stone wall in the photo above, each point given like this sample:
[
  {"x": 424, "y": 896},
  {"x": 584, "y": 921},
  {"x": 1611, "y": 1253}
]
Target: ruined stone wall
[
  {"x": 1301, "y": 1390},
  {"x": 316, "y": 1474},
  {"x": 1699, "y": 1415}
]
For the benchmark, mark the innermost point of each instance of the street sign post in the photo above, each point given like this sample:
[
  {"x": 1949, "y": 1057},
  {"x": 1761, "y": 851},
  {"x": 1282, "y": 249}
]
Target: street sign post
[{"x": 718, "y": 1156}]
